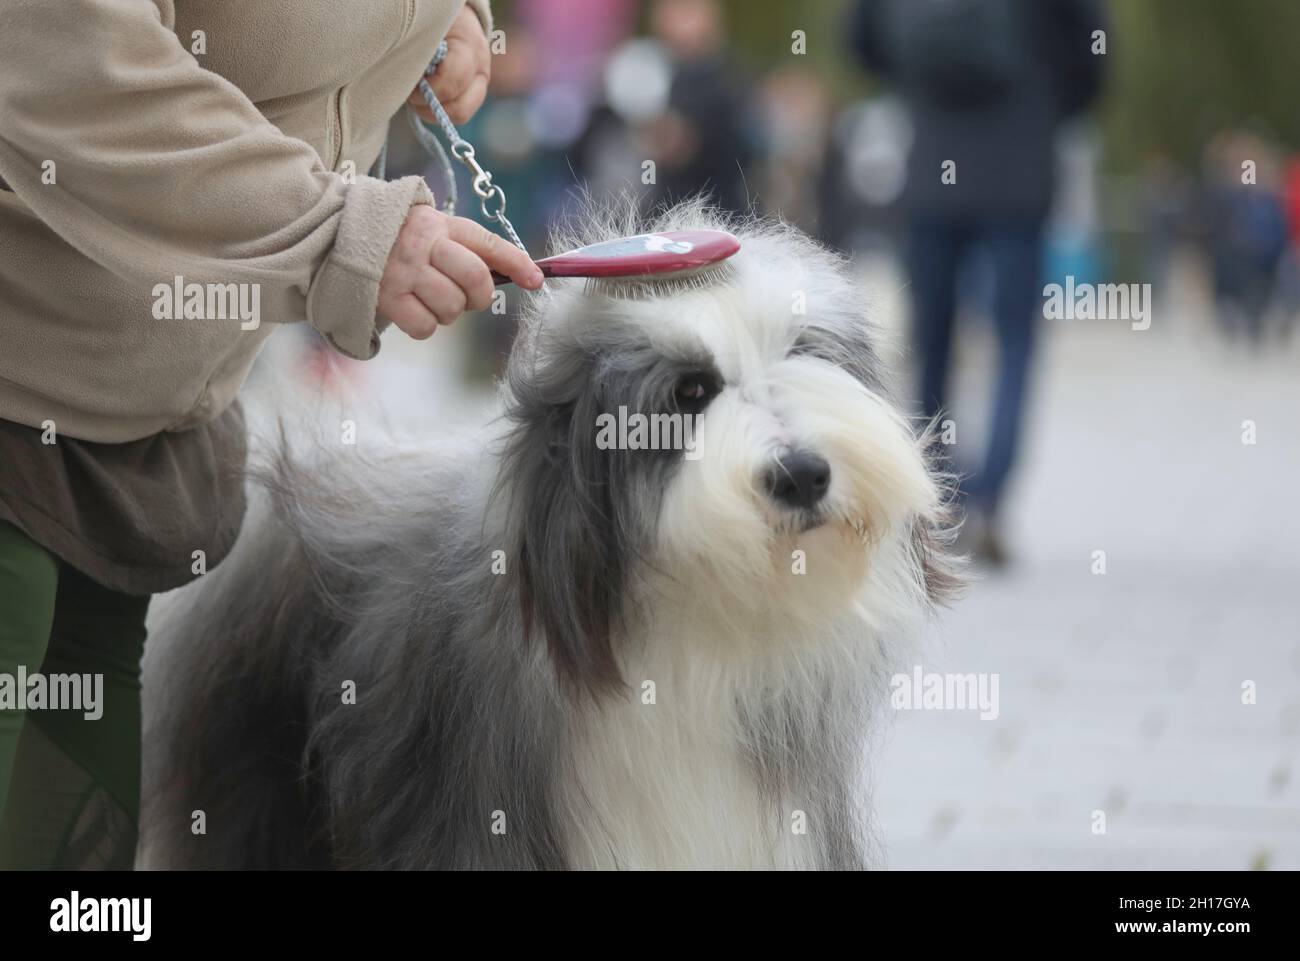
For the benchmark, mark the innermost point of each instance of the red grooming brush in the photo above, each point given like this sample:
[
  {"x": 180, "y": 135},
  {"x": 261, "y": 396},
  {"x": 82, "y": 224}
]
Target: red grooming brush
[{"x": 644, "y": 255}]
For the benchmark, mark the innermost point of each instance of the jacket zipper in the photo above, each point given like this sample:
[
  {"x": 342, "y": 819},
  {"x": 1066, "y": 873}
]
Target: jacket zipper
[{"x": 336, "y": 129}]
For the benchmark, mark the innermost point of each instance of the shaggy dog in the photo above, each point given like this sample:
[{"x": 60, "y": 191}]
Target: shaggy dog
[{"x": 556, "y": 643}]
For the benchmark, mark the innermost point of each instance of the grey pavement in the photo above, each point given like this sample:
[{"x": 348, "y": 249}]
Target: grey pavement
[{"x": 1123, "y": 692}]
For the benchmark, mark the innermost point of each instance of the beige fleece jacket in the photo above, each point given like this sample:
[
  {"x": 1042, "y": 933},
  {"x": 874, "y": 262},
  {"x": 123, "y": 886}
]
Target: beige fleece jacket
[{"x": 222, "y": 142}]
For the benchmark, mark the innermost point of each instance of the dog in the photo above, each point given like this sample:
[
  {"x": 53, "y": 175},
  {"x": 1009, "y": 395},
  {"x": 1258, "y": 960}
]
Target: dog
[{"x": 524, "y": 648}]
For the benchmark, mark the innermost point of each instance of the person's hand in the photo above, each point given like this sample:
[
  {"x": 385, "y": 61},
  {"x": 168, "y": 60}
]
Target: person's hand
[
  {"x": 441, "y": 265},
  {"x": 461, "y": 80}
]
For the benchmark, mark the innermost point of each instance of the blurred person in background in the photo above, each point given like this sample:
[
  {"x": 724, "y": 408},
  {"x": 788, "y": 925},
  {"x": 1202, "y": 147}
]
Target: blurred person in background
[
  {"x": 1166, "y": 197},
  {"x": 866, "y": 168},
  {"x": 563, "y": 87},
  {"x": 1289, "y": 273},
  {"x": 988, "y": 84},
  {"x": 793, "y": 108},
  {"x": 1248, "y": 235},
  {"x": 698, "y": 141}
]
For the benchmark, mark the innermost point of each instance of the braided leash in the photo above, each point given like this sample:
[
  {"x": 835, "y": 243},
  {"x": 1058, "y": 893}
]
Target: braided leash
[{"x": 492, "y": 199}]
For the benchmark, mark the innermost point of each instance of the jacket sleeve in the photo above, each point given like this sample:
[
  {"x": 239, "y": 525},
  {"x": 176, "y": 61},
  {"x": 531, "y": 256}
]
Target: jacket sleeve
[
  {"x": 484, "y": 11},
  {"x": 161, "y": 167}
]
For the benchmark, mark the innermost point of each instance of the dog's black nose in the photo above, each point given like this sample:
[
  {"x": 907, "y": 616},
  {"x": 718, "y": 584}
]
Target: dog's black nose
[{"x": 800, "y": 479}]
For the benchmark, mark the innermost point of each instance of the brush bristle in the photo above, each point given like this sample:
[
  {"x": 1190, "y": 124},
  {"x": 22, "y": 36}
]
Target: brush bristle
[{"x": 670, "y": 282}]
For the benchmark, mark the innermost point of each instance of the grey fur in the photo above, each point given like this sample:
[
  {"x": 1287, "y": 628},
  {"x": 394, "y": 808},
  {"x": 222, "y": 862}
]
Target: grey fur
[{"x": 468, "y": 683}]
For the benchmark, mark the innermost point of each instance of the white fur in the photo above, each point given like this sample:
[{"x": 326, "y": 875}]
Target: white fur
[{"x": 667, "y": 785}]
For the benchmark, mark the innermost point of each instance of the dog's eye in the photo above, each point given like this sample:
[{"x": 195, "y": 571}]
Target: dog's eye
[
  {"x": 693, "y": 392},
  {"x": 690, "y": 390}
]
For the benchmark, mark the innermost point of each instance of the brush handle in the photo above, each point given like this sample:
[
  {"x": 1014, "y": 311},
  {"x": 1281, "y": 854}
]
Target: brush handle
[{"x": 642, "y": 255}]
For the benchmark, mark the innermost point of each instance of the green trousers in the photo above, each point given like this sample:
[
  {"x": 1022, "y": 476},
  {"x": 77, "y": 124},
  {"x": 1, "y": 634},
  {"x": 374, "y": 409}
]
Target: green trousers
[{"x": 69, "y": 784}]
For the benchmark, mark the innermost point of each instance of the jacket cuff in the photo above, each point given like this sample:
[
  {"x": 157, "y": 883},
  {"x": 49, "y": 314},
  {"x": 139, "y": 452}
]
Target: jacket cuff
[
  {"x": 342, "y": 302},
  {"x": 484, "y": 11}
]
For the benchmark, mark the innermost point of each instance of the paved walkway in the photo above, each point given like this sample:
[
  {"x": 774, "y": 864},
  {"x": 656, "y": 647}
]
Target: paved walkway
[{"x": 1122, "y": 692}]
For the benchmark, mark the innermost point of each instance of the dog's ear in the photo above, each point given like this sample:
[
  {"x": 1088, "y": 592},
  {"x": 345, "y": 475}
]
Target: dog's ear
[{"x": 570, "y": 536}]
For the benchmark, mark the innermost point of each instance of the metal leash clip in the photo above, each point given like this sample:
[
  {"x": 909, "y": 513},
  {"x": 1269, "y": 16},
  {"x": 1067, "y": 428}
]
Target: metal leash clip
[{"x": 492, "y": 199}]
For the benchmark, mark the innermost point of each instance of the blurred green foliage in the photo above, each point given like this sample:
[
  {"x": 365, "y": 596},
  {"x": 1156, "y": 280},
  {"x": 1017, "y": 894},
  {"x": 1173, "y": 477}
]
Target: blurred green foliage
[
  {"x": 1182, "y": 69},
  {"x": 763, "y": 37}
]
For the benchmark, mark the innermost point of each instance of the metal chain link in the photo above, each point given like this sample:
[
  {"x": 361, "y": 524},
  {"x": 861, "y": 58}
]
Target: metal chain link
[{"x": 492, "y": 199}]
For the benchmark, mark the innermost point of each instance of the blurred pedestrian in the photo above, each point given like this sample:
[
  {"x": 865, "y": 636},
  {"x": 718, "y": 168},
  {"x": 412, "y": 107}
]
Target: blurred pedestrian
[
  {"x": 700, "y": 141},
  {"x": 1248, "y": 230},
  {"x": 793, "y": 114},
  {"x": 1289, "y": 270},
  {"x": 988, "y": 83}
]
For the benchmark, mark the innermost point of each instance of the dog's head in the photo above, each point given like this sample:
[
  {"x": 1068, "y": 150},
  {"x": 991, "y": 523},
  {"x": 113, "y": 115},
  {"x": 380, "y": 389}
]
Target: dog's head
[{"x": 719, "y": 444}]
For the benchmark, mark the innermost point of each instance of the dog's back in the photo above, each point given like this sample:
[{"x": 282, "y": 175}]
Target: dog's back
[
  {"x": 225, "y": 712},
  {"x": 339, "y": 693}
]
